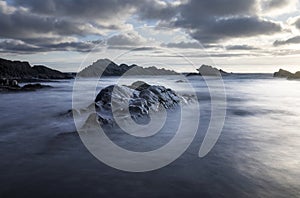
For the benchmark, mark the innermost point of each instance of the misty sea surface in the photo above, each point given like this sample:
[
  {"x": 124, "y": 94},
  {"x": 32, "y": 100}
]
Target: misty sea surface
[{"x": 256, "y": 155}]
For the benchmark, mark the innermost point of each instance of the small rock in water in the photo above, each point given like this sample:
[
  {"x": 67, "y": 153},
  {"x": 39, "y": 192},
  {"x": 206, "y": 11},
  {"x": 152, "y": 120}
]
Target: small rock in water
[
  {"x": 14, "y": 87},
  {"x": 34, "y": 86}
]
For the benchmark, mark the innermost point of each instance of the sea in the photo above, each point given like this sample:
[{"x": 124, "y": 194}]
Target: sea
[{"x": 255, "y": 154}]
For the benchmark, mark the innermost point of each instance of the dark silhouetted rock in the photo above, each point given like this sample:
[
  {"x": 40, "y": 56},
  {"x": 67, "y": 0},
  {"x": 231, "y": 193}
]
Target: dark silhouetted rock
[
  {"x": 27, "y": 87},
  {"x": 47, "y": 73},
  {"x": 105, "y": 67},
  {"x": 206, "y": 70},
  {"x": 286, "y": 74},
  {"x": 22, "y": 71},
  {"x": 32, "y": 87},
  {"x": 283, "y": 74}
]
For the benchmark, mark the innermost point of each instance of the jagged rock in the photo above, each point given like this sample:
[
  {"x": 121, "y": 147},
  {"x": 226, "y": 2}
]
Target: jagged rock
[
  {"x": 106, "y": 67},
  {"x": 286, "y": 74},
  {"x": 22, "y": 71},
  {"x": 206, "y": 70},
  {"x": 283, "y": 74},
  {"x": 139, "y": 85},
  {"x": 136, "y": 100}
]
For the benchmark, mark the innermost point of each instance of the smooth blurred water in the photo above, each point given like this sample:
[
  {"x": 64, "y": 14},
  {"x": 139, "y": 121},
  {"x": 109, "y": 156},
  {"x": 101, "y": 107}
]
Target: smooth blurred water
[{"x": 257, "y": 154}]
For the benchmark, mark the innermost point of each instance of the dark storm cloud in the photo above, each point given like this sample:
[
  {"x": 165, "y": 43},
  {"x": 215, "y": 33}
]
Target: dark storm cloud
[
  {"x": 154, "y": 10},
  {"x": 100, "y": 9},
  {"x": 61, "y": 22},
  {"x": 189, "y": 45},
  {"x": 129, "y": 39},
  {"x": 293, "y": 40},
  {"x": 224, "y": 29},
  {"x": 43, "y": 23},
  {"x": 274, "y": 4},
  {"x": 17, "y": 46},
  {"x": 184, "y": 45},
  {"x": 83, "y": 9},
  {"x": 297, "y": 23},
  {"x": 216, "y": 20},
  {"x": 20, "y": 24},
  {"x": 70, "y": 46},
  {"x": 194, "y": 9},
  {"x": 241, "y": 47}
]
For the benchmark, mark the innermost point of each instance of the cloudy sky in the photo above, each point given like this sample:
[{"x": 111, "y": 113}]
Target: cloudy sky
[{"x": 236, "y": 35}]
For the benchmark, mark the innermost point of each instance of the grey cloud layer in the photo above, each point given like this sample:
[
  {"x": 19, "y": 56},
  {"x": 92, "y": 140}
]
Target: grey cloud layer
[
  {"x": 216, "y": 20},
  {"x": 60, "y": 24},
  {"x": 297, "y": 23},
  {"x": 293, "y": 40},
  {"x": 274, "y": 4}
]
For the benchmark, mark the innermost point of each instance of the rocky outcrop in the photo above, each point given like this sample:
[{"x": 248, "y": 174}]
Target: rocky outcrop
[
  {"x": 207, "y": 70},
  {"x": 27, "y": 87},
  {"x": 106, "y": 67},
  {"x": 136, "y": 101},
  {"x": 23, "y": 71},
  {"x": 44, "y": 72},
  {"x": 286, "y": 74}
]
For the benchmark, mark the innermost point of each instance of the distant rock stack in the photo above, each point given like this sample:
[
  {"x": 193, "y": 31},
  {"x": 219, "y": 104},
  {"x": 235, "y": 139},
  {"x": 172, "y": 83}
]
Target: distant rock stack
[
  {"x": 286, "y": 74},
  {"x": 106, "y": 67},
  {"x": 207, "y": 70}
]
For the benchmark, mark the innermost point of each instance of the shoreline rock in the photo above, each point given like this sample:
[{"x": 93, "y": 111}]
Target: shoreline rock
[
  {"x": 27, "y": 87},
  {"x": 286, "y": 74},
  {"x": 23, "y": 71}
]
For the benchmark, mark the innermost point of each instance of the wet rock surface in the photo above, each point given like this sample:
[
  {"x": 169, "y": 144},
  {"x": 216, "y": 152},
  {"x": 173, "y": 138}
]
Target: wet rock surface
[{"x": 136, "y": 101}]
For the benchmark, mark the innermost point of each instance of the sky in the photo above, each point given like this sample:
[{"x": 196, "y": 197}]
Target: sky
[{"x": 234, "y": 35}]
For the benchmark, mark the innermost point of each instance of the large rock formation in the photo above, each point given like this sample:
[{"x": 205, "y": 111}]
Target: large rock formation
[
  {"x": 207, "y": 70},
  {"x": 286, "y": 74},
  {"x": 135, "y": 101},
  {"x": 23, "y": 71},
  {"x": 106, "y": 67}
]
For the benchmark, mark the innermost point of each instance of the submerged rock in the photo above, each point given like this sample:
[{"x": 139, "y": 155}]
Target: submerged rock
[
  {"x": 33, "y": 87},
  {"x": 135, "y": 101},
  {"x": 286, "y": 74}
]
